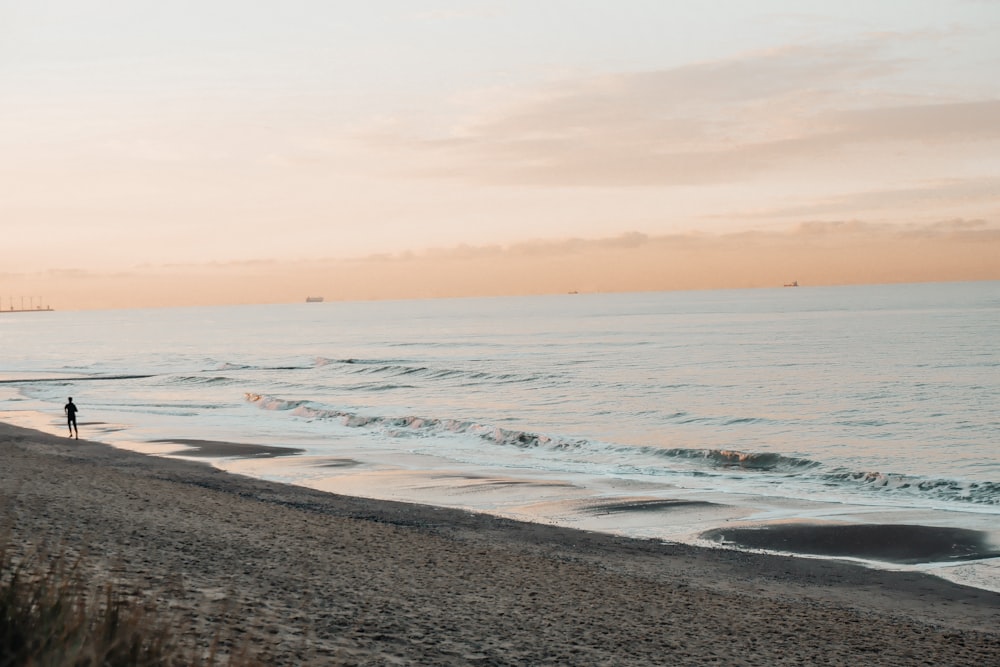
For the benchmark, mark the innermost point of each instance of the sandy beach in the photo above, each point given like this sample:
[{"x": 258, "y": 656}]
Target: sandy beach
[{"x": 312, "y": 578}]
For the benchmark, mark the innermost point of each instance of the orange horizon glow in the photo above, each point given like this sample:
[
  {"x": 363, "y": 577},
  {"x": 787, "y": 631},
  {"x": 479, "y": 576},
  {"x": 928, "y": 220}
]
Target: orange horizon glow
[{"x": 813, "y": 255}]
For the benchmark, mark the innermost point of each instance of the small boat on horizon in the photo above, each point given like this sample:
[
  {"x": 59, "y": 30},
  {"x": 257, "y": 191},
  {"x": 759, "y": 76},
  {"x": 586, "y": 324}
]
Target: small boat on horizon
[
  {"x": 314, "y": 299},
  {"x": 794, "y": 283}
]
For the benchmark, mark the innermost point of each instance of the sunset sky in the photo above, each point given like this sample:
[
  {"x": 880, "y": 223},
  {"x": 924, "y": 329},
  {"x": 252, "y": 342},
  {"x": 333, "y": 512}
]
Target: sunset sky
[{"x": 248, "y": 151}]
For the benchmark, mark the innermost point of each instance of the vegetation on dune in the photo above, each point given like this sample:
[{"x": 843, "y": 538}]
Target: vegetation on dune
[{"x": 50, "y": 617}]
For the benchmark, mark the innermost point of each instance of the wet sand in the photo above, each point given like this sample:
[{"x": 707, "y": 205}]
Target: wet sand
[
  {"x": 904, "y": 544},
  {"x": 219, "y": 449},
  {"x": 313, "y": 578}
]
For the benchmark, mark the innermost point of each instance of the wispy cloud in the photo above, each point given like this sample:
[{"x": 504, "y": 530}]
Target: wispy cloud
[
  {"x": 713, "y": 122},
  {"x": 812, "y": 231},
  {"x": 926, "y": 195}
]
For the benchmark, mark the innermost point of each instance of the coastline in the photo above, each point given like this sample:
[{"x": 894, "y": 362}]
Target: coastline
[{"x": 317, "y": 578}]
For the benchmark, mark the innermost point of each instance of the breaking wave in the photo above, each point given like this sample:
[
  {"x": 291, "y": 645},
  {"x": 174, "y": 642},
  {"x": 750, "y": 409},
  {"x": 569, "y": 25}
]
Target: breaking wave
[
  {"x": 985, "y": 493},
  {"x": 411, "y": 425},
  {"x": 731, "y": 458},
  {"x": 671, "y": 461}
]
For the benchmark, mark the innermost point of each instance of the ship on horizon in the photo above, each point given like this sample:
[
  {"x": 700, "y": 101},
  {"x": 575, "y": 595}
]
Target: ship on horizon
[{"x": 314, "y": 299}]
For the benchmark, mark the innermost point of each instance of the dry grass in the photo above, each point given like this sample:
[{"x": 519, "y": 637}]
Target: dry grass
[{"x": 51, "y": 617}]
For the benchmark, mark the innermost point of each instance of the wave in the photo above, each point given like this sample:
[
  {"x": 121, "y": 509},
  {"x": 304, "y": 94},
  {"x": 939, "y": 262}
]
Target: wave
[
  {"x": 397, "y": 368},
  {"x": 325, "y": 361},
  {"x": 79, "y": 378},
  {"x": 984, "y": 493},
  {"x": 378, "y": 386},
  {"x": 713, "y": 458},
  {"x": 732, "y": 458},
  {"x": 414, "y": 425},
  {"x": 228, "y": 366},
  {"x": 682, "y": 417},
  {"x": 691, "y": 461},
  {"x": 200, "y": 379},
  {"x": 271, "y": 403}
]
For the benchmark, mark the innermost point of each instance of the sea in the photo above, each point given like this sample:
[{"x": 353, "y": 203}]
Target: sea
[{"x": 657, "y": 415}]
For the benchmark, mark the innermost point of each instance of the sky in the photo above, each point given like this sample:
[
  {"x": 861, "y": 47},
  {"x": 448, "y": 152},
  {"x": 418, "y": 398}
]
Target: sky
[{"x": 258, "y": 151}]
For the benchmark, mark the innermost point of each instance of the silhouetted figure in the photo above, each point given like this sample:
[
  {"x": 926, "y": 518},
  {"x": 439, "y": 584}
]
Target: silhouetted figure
[{"x": 70, "y": 410}]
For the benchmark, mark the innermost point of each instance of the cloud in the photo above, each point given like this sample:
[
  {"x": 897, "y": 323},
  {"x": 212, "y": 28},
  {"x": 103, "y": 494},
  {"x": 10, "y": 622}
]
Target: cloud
[
  {"x": 705, "y": 123},
  {"x": 926, "y": 196},
  {"x": 930, "y": 123},
  {"x": 809, "y": 231},
  {"x": 971, "y": 231}
]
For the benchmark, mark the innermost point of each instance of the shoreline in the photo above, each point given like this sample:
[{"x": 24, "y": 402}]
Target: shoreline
[
  {"x": 315, "y": 578},
  {"x": 878, "y": 543}
]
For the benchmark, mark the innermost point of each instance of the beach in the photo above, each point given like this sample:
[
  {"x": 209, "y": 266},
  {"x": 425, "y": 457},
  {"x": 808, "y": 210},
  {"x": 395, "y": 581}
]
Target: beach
[{"x": 307, "y": 577}]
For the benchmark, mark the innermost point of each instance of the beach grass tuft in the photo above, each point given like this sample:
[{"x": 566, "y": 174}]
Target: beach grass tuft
[{"x": 51, "y": 617}]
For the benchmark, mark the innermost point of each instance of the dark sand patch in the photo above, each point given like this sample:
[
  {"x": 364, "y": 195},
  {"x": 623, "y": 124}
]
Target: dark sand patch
[
  {"x": 518, "y": 482},
  {"x": 487, "y": 480},
  {"x": 645, "y": 505},
  {"x": 904, "y": 544},
  {"x": 217, "y": 449},
  {"x": 338, "y": 463}
]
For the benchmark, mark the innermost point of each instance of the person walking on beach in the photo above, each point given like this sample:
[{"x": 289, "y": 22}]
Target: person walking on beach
[{"x": 70, "y": 410}]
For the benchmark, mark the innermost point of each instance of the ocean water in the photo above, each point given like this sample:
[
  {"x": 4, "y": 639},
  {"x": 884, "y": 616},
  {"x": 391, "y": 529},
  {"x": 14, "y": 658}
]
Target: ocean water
[{"x": 647, "y": 414}]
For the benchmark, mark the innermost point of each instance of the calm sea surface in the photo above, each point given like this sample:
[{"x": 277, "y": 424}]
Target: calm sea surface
[{"x": 872, "y": 403}]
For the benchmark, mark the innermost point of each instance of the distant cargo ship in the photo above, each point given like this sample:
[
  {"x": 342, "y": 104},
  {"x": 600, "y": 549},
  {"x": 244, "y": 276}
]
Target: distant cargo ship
[
  {"x": 794, "y": 283},
  {"x": 314, "y": 299}
]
